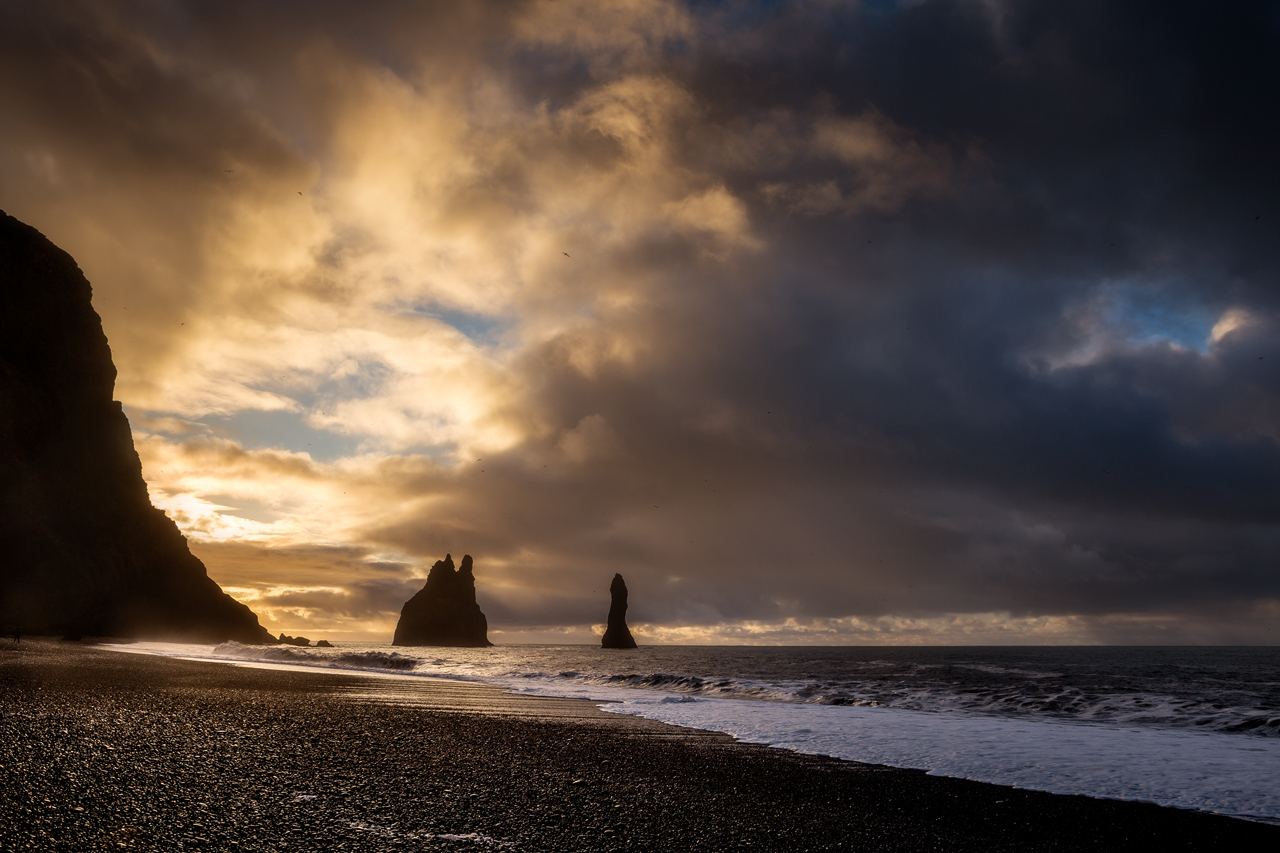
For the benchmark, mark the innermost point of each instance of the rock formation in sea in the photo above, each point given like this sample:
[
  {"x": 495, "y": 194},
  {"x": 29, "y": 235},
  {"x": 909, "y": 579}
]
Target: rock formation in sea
[
  {"x": 617, "y": 635},
  {"x": 82, "y": 550},
  {"x": 444, "y": 612}
]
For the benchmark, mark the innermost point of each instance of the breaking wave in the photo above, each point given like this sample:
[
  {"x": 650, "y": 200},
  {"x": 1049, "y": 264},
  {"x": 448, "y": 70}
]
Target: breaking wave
[{"x": 304, "y": 655}]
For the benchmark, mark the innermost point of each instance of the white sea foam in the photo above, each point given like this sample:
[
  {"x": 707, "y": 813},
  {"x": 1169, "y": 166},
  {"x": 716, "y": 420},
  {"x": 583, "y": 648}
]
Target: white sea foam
[{"x": 1199, "y": 770}]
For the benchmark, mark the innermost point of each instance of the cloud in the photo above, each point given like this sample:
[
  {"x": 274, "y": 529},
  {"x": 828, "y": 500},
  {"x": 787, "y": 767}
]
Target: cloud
[
  {"x": 878, "y": 166},
  {"x": 928, "y": 322},
  {"x": 616, "y": 32}
]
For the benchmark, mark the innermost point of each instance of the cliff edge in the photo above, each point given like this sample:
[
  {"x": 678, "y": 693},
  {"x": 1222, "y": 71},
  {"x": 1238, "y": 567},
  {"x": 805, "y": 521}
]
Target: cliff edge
[{"x": 82, "y": 550}]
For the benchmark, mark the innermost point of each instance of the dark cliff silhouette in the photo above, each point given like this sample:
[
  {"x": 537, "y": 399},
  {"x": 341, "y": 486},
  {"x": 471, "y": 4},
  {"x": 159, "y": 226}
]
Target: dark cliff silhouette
[
  {"x": 617, "y": 635},
  {"x": 444, "y": 612},
  {"x": 82, "y": 550}
]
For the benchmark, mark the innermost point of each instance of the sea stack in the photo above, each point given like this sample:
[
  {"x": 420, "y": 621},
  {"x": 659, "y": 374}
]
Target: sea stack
[
  {"x": 616, "y": 634},
  {"x": 444, "y": 612},
  {"x": 82, "y": 550}
]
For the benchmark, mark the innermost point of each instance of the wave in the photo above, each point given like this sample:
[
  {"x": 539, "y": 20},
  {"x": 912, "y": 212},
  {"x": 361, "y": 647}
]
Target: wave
[
  {"x": 1121, "y": 708},
  {"x": 988, "y": 689},
  {"x": 299, "y": 654},
  {"x": 1205, "y": 714}
]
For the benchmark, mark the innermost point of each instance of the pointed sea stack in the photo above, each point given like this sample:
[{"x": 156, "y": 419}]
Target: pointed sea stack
[
  {"x": 444, "y": 612},
  {"x": 82, "y": 550},
  {"x": 617, "y": 635}
]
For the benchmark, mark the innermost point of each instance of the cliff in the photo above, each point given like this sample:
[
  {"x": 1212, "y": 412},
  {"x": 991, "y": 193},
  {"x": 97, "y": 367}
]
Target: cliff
[
  {"x": 82, "y": 550},
  {"x": 616, "y": 634},
  {"x": 444, "y": 612}
]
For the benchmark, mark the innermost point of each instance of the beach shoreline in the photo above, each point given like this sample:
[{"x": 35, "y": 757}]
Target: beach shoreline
[{"x": 101, "y": 749}]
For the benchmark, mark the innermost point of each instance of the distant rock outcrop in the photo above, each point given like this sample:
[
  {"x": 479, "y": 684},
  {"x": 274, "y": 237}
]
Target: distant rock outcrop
[
  {"x": 82, "y": 550},
  {"x": 617, "y": 635},
  {"x": 444, "y": 612}
]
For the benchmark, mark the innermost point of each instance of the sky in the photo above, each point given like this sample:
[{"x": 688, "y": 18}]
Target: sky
[{"x": 821, "y": 322}]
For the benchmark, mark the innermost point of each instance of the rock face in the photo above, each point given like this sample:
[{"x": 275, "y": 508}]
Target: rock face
[
  {"x": 617, "y": 635},
  {"x": 444, "y": 612},
  {"x": 82, "y": 550}
]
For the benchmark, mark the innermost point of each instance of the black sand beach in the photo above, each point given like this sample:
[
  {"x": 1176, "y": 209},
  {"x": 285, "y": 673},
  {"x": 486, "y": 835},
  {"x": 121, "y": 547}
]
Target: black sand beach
[{"x": 101, "y": 750}]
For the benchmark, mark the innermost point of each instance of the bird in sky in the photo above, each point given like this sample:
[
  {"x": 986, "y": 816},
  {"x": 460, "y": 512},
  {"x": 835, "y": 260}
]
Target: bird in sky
[{"x": 566, "y": 254}]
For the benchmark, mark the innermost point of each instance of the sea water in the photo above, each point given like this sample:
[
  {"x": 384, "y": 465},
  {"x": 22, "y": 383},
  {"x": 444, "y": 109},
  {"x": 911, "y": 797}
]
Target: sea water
[{"x": 1187, "y": 727}]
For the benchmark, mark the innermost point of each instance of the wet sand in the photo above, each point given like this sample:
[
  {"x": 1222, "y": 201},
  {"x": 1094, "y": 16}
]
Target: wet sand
[{"x": 101, "y": 750}]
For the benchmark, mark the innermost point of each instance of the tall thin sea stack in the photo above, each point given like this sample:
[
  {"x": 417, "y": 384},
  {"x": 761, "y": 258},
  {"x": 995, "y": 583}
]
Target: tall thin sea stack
[
  {"x": 82, "y": 550},
  {"x": 617, "y": 635},
  {"x": 444, "y": 612}
]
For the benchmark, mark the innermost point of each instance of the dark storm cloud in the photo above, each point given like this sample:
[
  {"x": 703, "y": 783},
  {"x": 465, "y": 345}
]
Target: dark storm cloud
[{"x": 988, "y": 344}]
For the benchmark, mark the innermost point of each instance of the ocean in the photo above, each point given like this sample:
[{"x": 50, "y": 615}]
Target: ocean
[{"x": 1195, "y": 728}]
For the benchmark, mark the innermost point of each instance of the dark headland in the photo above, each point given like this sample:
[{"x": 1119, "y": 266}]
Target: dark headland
[
  {"x": 444, "y": 612},
  {"x": 82, "y": 550},
  {"x": 107, "y": 751},
  {"x": 616, "y": 633}
]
